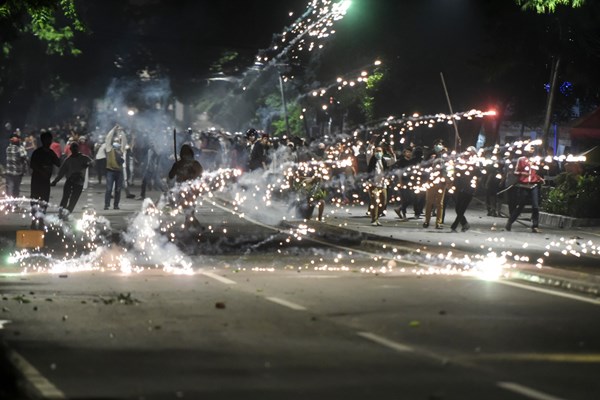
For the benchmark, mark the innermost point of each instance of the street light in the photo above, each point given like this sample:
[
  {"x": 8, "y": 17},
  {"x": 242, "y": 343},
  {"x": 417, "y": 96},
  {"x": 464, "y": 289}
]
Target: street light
[
  {"x": 344, "y": 6},
  {"x": 131, "y": 113}
]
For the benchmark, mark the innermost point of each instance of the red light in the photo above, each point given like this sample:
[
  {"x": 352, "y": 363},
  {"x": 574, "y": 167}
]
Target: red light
[{"x": 491, "y": 112}]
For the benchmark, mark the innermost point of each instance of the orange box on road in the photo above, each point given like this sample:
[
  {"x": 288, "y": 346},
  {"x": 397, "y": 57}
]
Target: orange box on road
[{"x": 30, "y": 239}]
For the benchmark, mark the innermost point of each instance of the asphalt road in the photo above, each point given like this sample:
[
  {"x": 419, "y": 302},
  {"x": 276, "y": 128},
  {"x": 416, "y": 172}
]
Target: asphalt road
[
  {"x": 244, "y": 328},
  {"x": 259, "y": 319}
]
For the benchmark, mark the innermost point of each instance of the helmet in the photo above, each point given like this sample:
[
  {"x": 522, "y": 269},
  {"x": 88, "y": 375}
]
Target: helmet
[{"x": 251, "y": 133}]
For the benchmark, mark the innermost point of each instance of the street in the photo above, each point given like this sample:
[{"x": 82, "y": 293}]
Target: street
[
  {"x": 296, "y": 333},
  {"x": 316, "y": 200},
  {"x": 308, "y": 319}
]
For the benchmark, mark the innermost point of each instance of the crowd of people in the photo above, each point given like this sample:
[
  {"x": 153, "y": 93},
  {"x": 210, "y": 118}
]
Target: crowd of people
[{"x": 343, "y": 170}]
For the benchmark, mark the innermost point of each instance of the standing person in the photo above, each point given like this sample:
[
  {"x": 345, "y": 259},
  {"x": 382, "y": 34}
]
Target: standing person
[
  {"x": 438, "y": 182},
  {"x": 466, "y": 174},
  {"x": 16, "y": 165},
  {"x": 376, "y": 167},
  {"x": 528, "y": 189},
  {"x": 312, "y": 195},
  {"x": 100, "y": 158},
  {"x": 258, "y": 151},
  {"x": 492, "y": 184},
  {"x": 129, "y": 163},
  {"x": 151, "y": 177},
  {"x": 2, "y": 181},
  {"x": 509, "y": 182},
  {"x": 74, "y": 168},
  {"x": 56, "y": 147},
  {"x": 436, "y": 191},
  {"x": 42, "y": 162},
  {"x": 186, "y": 169},
  {"x": 85, "y": 148},
  {"x": 239, "y": 154},
  {"x": 406, "y": 194},
  {"x": 126, "y": 177},
  {"x": 416, "y": 175},
  {"x": 114, "y": 166},
  {"x": 30, "y": 144}
]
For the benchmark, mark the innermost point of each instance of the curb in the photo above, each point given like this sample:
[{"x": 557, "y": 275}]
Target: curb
[
  {"x": 567, "y": 284},
  {"x": 562, "y": 279}
]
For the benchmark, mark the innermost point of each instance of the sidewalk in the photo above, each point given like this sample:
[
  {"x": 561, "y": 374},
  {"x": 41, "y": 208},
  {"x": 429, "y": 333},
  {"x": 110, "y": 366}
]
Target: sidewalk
[{"x": 560, "y": 258}]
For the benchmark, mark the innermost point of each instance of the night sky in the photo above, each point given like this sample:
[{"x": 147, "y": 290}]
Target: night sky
[
  {"x": 489, "y": 52},
  {"x": 421, "y": 38}
]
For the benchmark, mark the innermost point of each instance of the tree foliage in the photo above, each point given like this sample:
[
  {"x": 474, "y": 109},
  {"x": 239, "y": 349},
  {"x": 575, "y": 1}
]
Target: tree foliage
[
  {"x": 227, "y": 58},
  {"x": 548, "y": 6},
  {"x": 295, "y": 120},
  {"x": 54, "y": 22},
  {"x": 574, "y": 195},
  {"x": 369, "y": 103}
]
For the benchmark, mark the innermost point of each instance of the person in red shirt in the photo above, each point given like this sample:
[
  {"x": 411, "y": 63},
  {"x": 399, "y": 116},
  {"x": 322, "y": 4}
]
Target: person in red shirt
[
  {"x": 56, "y": 147},
  {"x": 528, "y": 188}
]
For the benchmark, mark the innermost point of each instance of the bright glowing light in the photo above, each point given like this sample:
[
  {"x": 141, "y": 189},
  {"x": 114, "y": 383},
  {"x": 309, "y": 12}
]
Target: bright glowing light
[
  {"x": 344, "y": 6},
  {"x": 491, "y": 267}
]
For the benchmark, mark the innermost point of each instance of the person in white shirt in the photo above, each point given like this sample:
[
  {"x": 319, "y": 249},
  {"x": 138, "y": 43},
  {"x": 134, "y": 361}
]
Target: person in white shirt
[{"x": 100, "y": 158}]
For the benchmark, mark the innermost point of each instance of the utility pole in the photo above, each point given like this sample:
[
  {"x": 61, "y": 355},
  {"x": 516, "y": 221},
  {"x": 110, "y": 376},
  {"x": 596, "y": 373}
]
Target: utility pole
[
  {"x": 456, "y": 135},
  {"x": 550, "y": 101},
  {"x": 285, "y": 114}
]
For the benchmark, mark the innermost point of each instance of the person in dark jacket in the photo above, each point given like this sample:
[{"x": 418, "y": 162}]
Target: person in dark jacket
[
  {"x": 406, "y": 194},
  {"x": 466, "y": 174},
  {"x": 491, "y": 183},
  {"x": 73, "y": 168},
  {"x": 151, "y": 177},
  {"x": 258, "y": 150},
  {"x": 416, "y": 174},
  {"x": 42, "y": 162},
  {"x": 187, "y": 169}
]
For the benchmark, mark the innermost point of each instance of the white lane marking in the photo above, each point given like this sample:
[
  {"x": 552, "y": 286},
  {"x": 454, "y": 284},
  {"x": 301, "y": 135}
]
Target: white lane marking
[
  {"x": 527, "y": 392},
  {"x": 45, "y": 388},
  {"x": 286, "y": 303},
  {"x": 219, "y": 278},
  {"x": 552, "y": 292},
  {"x": 3, "y": 322},
  {"x": 385, "y": 342}
]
